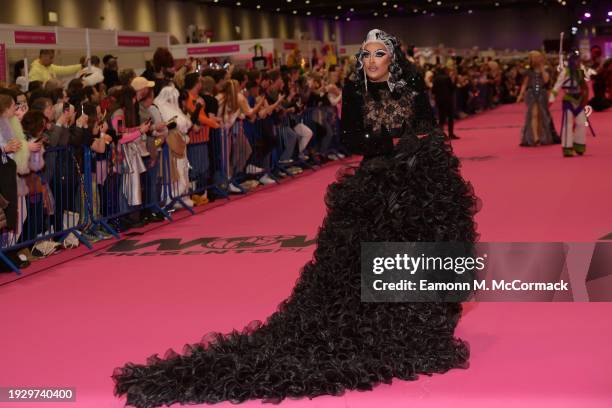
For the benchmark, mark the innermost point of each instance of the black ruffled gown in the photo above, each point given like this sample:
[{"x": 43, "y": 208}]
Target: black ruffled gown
[{"x": 323, "y": 340}]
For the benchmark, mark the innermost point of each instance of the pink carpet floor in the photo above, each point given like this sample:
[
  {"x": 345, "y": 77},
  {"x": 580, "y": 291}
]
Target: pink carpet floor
[{"x": 68, "y": 323}]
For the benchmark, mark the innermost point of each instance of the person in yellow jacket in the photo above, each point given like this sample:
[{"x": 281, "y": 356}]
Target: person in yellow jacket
[{"x": 43, "y": 69}]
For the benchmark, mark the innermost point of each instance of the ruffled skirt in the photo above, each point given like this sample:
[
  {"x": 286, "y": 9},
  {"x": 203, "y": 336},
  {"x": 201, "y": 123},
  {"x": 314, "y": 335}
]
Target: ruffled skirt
[{"x": 323, "y": 340}]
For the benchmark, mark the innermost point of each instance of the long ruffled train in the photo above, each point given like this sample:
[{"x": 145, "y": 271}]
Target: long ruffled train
[{"x": 323, "y": 340}]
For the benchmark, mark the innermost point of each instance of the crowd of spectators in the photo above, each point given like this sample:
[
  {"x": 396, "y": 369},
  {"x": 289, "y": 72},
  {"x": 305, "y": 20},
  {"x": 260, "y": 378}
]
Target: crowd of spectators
[{"x": 192, "y": 130}]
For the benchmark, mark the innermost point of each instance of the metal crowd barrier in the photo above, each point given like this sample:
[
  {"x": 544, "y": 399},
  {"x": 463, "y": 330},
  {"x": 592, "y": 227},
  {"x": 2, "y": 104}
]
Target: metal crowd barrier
[
  {"x": 51, "y": 203},
  {"x": 123, "y": 181},
  {"x": 85, "y": 193}
]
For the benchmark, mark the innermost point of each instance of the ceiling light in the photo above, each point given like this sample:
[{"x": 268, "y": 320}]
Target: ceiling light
[
  {"x": 308, "y": 13},
  {"x": 352, "y": 9},
  {"x": 470, "y": 11},
  {"x": 587, "y": 15},
  {"x": 384, "y": 3},
  {"x": 307, "y": 1},
  {"x": 258, "y": 7},
  {"x": 375, "y": 13},
  {"x": 339, "y": 7},
  {"x": 238, "y": 3},
  {"x": 496, "y": 4},
  {"x": 416, "y": 10},
  {"x": 395, "y": 6},
  {"x": 278, "y": 9},
  {"x": 336, "y": 17},
  {"x": 439, "y": 3},
  {"x": 294, "y": 11},
  {"x": 386, "y": 15},
  {"x": 456, "y": 7},
  {"x": 579, "y": 21},
  {"x": 348, "y": 19}
]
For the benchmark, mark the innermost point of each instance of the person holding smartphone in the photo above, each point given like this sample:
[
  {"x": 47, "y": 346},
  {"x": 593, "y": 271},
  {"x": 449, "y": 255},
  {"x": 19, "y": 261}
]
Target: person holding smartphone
[
  {"x": 153, "y": 144},
  {"x": 126, "y": 123}
]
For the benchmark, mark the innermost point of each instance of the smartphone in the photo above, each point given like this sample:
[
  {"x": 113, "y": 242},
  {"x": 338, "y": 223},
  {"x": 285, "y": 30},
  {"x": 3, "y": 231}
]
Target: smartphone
[
  {"x": 120, "y": 126},
  {"x": 66, "y": 107}
]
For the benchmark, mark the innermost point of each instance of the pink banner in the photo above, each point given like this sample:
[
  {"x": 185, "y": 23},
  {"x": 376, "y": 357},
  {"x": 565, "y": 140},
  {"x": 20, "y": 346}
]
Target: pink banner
[
  {"x": 133, "y": 41},
  {"x": 289, "y": 46},
  {"x": 342, "y": 50},
  {"x": 3, "y": 62},
  {"x": 214, "y": 49},
  {"x": 35, "y": 37}
]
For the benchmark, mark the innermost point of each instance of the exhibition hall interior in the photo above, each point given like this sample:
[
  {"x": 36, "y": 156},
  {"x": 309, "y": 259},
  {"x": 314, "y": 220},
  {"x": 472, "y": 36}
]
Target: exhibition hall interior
[{"x": 310, "y": 203}]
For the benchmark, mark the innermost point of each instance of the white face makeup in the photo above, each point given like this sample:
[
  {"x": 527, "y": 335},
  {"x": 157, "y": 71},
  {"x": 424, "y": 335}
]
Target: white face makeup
[{"x": 376, "y": 60}]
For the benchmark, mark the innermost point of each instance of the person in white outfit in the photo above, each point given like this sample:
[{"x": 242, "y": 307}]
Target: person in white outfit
[{"x": 168, "y": 104}]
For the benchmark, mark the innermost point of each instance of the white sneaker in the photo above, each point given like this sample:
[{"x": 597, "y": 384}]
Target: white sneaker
[
  {"x": 231, "y": 187},
  {"x": 288, "y": 161},
  {"x": 340, "y": 155},
  {"x": 333, "y": 157},
  {"x": 71, "y": 241},
  {"x": 252, "y": 169},
  {"x": 265, "y": 180},
  {"x": 304, "y": 157}
]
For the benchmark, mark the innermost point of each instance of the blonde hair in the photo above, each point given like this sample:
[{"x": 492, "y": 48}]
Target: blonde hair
[
  {"x": 208, "y": 84},
  {"x": 230, "y": 96},
  {"x": 534, "y": 55}
]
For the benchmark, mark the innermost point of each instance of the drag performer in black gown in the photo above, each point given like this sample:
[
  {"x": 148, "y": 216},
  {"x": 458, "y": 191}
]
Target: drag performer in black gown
[{"x": 323, "y": 340}]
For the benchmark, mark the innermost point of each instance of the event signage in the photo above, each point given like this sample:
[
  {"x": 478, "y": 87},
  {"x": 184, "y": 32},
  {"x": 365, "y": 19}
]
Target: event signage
[
  {"x": 214, "y": 49},
  {"x": 3, "y": 65},
  {"x": 133, "y": 41},
  {"x": 35, "y": 37}
]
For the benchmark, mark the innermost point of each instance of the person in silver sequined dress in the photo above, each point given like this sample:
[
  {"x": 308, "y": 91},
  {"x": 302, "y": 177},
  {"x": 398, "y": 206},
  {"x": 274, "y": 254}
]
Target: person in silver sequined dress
[{"x": 538, "y": 128}]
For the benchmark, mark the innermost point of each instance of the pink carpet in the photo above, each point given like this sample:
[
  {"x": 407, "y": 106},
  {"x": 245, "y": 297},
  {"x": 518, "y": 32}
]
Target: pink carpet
[{"x": 71, "y": 324}]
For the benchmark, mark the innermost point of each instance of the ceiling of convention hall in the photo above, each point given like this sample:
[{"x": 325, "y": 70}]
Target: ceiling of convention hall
[{"x": 361, "y": 9}]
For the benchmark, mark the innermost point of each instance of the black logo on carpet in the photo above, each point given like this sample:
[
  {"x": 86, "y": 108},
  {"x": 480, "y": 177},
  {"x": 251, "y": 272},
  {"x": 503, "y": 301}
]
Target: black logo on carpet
[
  {"x": 478, "y": 158},
  {"x": 210, "y": 245}
]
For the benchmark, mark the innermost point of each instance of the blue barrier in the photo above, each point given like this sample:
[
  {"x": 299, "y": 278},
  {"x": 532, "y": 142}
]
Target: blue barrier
[
  {"x": 85, "y": 193},
  {"x": 52, "y": 203},
  {"x": 126, "y": 181}
]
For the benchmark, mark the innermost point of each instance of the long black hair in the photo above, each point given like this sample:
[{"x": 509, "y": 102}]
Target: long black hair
[{"x": 19, "y": 66}]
